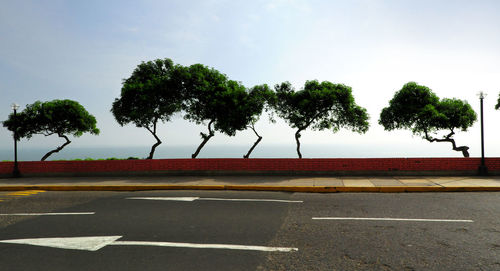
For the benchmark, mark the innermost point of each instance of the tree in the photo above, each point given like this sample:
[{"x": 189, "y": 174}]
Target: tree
[
  {"x": 258, "y": 97},
  {"x": 319, "y": 106},
  {"x": 59, "y": 117},
  {"x": 152, "y": 93},
  {"x": 417, "y": 108},
  {"x": 211, "y": 97}
]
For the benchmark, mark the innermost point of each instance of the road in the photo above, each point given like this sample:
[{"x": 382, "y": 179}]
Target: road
[{"x": 225, "y": 230}]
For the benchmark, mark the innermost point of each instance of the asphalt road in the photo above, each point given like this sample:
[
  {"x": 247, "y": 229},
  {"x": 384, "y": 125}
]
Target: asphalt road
[{"x": 464, "y": 233}]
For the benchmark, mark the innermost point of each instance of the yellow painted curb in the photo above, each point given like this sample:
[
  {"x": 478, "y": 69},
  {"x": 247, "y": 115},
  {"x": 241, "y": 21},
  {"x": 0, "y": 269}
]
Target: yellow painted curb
[{"x": 309, "y": 189}]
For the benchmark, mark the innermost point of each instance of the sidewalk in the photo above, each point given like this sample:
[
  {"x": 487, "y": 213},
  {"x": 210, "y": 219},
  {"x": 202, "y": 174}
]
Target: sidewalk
[{"x": 257, "y": 183}]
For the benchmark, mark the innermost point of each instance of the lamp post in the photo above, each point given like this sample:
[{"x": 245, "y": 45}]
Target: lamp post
[
  {"x": 15, "y": 172},
  {"x": 483, "y": 170}
]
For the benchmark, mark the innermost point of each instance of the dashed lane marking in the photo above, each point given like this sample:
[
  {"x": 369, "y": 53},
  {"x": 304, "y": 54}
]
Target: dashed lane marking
[{"x": 42, "y": 214}]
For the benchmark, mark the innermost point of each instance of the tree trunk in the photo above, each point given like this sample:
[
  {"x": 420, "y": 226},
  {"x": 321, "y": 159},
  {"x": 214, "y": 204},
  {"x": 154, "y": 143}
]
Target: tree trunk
[
  {"x": 254, "y": 144},
  {"x": 58, "y": 148},
  {"x": 463, "y": 149},
  {"x": 158, "y": 142},
  {"x": 205, "y": 139},
  {"x": 302, "y": 128},
  {"x": 297, "y": 136}
]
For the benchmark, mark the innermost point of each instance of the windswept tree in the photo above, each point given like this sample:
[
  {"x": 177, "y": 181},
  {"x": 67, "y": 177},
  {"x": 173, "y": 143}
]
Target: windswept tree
[
  {"x": 151, "y": 94},
  {"x": 212, "y": 98},
  {"x": 257, "y": 101},
  {"x": 417, "y": 108},
  {"x": 57, "y": 117},
  {"x": 319, "y": 106}
]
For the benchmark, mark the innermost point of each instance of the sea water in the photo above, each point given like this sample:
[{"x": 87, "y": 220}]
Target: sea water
[{"x": 227, "y": 151}]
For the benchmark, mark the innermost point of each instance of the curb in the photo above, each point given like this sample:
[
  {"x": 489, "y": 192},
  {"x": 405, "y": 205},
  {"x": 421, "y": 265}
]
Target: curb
[{"x": 308, "y": 189}]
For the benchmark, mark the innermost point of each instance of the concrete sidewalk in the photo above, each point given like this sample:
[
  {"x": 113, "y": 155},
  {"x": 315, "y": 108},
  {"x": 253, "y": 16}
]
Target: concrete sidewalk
[{"x": 257, "y": 183}]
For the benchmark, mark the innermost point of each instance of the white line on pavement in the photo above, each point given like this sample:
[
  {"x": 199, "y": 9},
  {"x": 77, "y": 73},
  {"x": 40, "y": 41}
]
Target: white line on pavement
[
  {"x": 263, "y": 200},
  {"x": 90, "y": 243},
  {"x": 94, "y": 243},
  {"x": 40, "y": 214},
  {"x": 393, "y": 219},
  {"x": 167, "y": 198},
  {"x": 214, "y": 246},
  {"x": 215, "y": 199}
]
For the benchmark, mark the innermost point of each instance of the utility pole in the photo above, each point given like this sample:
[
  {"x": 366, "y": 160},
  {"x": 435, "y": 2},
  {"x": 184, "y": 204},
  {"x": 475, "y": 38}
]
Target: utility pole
[
  {"x": 483, "y": 170},
  {"x": 15, "y": 172}
]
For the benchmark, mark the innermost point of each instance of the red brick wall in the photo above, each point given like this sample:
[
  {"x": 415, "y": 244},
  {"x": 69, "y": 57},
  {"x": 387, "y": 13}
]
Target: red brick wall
[{"x": 347, "y": 166}]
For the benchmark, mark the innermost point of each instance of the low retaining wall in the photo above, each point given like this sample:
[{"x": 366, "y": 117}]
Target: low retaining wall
[{"x": 238, "y": 166}]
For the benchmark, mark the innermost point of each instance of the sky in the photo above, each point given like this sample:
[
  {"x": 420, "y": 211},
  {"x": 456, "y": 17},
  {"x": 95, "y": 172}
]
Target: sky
[{"x": 82, "y": 50}]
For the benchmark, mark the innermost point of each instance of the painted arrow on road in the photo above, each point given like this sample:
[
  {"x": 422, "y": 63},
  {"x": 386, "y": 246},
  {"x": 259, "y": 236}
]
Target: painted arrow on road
[
  {"x": 215, "y": 199},
  {"x": 94, "y": 243}
]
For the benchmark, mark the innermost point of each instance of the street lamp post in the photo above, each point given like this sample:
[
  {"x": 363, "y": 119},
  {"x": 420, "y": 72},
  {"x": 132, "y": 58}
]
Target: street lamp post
[
  {"x": 15, "y": 172},
  {"x": 483, "y": 170}
]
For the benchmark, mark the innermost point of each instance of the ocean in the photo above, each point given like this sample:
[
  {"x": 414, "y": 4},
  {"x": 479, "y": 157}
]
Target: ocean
[{"x": 232, "y": 151}]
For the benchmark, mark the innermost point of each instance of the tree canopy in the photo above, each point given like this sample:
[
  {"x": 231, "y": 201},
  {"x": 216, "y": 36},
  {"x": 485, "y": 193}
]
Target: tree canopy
[
  {"x": 211, "y": 97},
  {"x": 151, "y": 94},
  {"x": 319, "y": 106},
  {"x": 417, "y": 108},
  {"x": 60, "y": 117}
]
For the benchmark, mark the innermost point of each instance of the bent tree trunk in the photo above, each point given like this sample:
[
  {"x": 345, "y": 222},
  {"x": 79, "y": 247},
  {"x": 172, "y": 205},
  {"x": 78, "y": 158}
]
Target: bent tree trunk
[
  {"x": 158, "y": 141},
  {"x": 259, "y": 138},
  {"x": 302, "y": 128},
  {"x": 58, "y": 148},
  {"x": 447, "y": 138},
  {"x": 297, "y": 136},
  {"x": 205, "y": 139}
]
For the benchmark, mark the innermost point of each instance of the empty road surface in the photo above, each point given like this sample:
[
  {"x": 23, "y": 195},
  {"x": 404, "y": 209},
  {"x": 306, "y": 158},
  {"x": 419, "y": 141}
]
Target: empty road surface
[{"x": 226, "y": 230}]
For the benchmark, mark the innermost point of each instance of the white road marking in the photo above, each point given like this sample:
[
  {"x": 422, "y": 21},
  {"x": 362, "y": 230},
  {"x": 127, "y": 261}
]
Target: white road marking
[
  {"x": 263, "y": 200},
  {"x": 39, "y": 214},
  {"x": 167, "y": 198},
  {"x": 215, "y": 199},
  {"x": 214, "y": 246},
  {"x": 94, "y": 243},
  {"x": 393, "y": 219}
]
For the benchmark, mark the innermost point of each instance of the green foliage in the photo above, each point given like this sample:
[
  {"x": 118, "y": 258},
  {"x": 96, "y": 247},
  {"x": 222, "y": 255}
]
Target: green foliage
[
  {"x": 418, "y": 109},
  {"x": 225, "y": 104},
  {"x": 260, "y": 98},
  {"x": 59, "y": 117},
  {"x": 454, "y": 113},
  {"x": 210, "y": 96},
  {"x": 408, "y": 108},
  {"x": 242, "y": 107},
  {"x": 319, "y": 106},
  {"x": 152, "y": 93}
]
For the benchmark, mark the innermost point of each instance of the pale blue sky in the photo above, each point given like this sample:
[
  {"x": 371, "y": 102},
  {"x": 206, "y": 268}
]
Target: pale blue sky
[{"x": 82, "y": 50}]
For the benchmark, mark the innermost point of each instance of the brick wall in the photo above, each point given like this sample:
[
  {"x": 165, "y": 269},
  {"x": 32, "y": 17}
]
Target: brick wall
[{"x": 340, "y": 166}]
